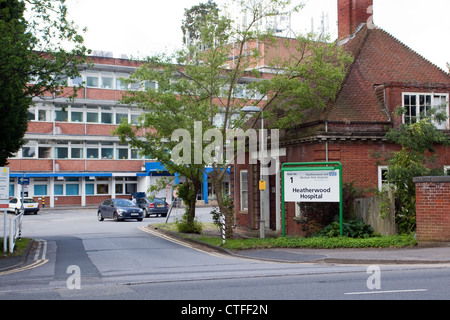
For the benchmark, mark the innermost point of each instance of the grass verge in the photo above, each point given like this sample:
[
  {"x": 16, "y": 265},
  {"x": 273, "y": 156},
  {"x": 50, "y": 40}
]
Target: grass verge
[
  {"x": 19, "y": 248},
  {"x": 395, "y": 241}
]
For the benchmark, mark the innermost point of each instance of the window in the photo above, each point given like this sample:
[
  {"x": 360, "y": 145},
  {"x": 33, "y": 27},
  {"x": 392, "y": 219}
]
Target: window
[
  {"x": 58, "y": 189},
  {"x": 244, "y": 190},
  {"x": 120, "y": 84},
  {"x": 102, "y": 185},
  {"x": 28, "y": 152},
  {"x": 72, "y": 189},
  {"x": 40, "y": 186},
  {"x": 92, "y": 150},
  {"x": 446, "y": 170},
  {"x": 120, "y": 115},
  {"x": 44, "y": 152},
  {"x": 61, "y": 113},
  {"x": 76, "y": 113},
  {"x": 107, "y": 80},
  {"x": 76, "y": 153},
  {"x": 106, "y": 115},
  {"x": 92, "y": 114},
  {"x": 382, "y": 177},
  {"x": 62, "y": 153},
  {"x": 92, "y": 79},
  {"x": 122, "y": 154},
  {"x": 31, "y": 114},
  {"x": 418, "y": 105},
  {"x": 107, "y": 150}
]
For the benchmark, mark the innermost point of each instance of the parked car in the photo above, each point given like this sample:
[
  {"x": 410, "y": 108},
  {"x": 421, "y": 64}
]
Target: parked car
[
  {"x": 156, "y": 206},
  {"x": 119, "y": 209},
  {"x": 29, "y": 205}
]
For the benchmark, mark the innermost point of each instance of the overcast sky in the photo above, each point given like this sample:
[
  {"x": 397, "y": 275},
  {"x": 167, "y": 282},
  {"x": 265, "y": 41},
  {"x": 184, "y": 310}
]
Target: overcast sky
[{"x": 145, "y": 27}]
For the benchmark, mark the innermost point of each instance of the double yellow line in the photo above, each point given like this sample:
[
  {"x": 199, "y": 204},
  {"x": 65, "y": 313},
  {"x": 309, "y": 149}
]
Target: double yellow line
[
  {"x": 35, "y": 264},
  {"x": 41, "y": 250}
]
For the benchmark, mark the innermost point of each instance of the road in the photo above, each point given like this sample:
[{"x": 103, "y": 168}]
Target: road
[{"x": 82, "y": 258}]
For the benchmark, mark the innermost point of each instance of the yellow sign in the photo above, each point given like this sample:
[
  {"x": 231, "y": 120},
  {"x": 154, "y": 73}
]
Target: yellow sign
[{"x": 262, "y": 185}]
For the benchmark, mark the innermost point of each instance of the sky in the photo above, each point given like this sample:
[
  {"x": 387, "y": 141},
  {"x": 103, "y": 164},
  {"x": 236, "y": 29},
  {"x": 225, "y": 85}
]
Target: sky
[{"x": 139, "y": 28}]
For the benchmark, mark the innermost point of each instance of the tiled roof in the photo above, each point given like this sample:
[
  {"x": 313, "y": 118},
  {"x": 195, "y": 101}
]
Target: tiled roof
[{"x": 379, "y": 58}]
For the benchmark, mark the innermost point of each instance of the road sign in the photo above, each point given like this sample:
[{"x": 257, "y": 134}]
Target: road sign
[
  {"x": 312, "y": 186},
  {"x": 311, "y": 182},
  {"x": 23, "y": 180},
  {"x": 4, "y": 187}
]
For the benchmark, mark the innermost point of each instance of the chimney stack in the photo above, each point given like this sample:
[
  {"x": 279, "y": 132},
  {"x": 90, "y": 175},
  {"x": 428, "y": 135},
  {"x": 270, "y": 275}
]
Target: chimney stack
[{"x": 351, "y": 13}]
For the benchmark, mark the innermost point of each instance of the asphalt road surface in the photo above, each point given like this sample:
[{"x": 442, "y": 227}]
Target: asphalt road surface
[{"x": 82, "y": 258}]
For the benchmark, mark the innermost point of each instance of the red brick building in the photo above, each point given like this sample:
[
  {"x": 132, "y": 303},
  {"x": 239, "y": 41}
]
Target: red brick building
[{"x": 384, "y": 75}]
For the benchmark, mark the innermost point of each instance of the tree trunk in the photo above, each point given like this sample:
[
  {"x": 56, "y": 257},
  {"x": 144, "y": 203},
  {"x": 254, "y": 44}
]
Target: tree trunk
[{"x": 224, "y": 206}]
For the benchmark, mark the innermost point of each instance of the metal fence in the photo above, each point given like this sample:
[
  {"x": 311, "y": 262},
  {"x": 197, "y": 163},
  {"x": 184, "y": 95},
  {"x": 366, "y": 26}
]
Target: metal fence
[{"x": 14, "y": 232}]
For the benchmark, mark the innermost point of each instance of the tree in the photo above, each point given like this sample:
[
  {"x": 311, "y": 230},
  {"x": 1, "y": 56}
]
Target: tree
[
  {"x": 32, "y": 61},
  {"x": 415, "y": 159},
  {"x": 205, "y": 84},
  {"x": 194, "y": 18}
]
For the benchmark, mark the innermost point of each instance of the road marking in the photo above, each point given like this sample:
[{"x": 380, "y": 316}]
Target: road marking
[
  {"x": 41, "y": 250},
  {"x": 386, "y": 291},
  {"x": 174, "y": 240}
]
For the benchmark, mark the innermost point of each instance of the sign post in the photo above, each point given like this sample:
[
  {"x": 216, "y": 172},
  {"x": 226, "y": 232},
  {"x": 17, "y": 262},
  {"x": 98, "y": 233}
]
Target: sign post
[
  {"x": 4, "y": 201},
  {"x": 312, "y": 182}
]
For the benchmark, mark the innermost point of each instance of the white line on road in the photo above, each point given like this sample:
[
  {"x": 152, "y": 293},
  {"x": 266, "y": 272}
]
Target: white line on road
[{"x": 386, "y": 291}]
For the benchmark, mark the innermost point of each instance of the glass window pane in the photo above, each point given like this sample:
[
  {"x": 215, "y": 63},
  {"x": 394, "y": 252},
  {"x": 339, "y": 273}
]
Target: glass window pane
[
  {"x": 107, "y": 153},
  {"x": 28, "y": 152},
  {"x": 61, "y": 115},
  {"x": 122, "y": 153},
  {"x": 59, "y": 190},
  {"x": 92, "y": 153},
  {"x": 120, "y": 116},
  {"x": 102, "y": 189},
  {"x": 107, "y": 118},
  {"x": 92, "y": 81},
  {"x": 40, "y": 190},
  {"x": 92, "y": 117},
  {"x": 107, "y": 83},
  {"x": 90, "y": 189},
  {"x": 77, "y": 153},
  {"x": 72, "y": 190},
  {"x": 62, "y": 153},
  {"x": 77, "y": 116}
]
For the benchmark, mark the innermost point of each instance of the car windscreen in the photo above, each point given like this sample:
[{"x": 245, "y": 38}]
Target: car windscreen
[
  {"x": 124, "y": 203},
  {"x": 29, "y": 201}
]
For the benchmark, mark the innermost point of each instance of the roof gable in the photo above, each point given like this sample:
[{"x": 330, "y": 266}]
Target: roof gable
[{"x": 379, "y": 58}]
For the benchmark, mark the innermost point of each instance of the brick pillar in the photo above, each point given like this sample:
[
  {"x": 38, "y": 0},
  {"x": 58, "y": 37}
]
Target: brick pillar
[{"x": 433, "y": 211}]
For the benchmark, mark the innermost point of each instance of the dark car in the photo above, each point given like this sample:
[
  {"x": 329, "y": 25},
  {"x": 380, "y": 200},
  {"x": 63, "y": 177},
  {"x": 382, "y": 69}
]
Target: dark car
[
  {"x": 119, "y": 209},
  {"x": 154, "y": 206}
]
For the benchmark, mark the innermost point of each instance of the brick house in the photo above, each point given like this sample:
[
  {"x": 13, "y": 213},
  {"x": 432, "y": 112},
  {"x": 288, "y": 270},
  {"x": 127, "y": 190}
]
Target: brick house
[{"x": 384, "y": 75}]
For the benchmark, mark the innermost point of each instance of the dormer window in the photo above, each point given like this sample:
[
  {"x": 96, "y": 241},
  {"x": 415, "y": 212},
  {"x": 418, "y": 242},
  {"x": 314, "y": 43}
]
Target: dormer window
[{"x": 419, "y": 105}]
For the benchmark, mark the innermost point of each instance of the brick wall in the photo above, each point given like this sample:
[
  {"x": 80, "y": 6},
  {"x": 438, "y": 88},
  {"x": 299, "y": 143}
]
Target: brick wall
[{"x": 433, "y": 210}]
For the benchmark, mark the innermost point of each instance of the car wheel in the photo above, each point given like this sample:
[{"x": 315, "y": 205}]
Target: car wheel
[
  {"x": 139, "y": 219},
  {"x": 16, "y": 211},
  {"x": 116, "y": 217},
  {"x": 100, "y": 216},
  {"x": 145, "y": 213}
]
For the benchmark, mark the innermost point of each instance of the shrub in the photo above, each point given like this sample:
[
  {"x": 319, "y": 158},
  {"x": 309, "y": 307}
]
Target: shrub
[{"x": 353, "y": 228}]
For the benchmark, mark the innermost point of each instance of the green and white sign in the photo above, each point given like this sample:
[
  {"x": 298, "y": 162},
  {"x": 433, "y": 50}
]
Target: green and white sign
[
  {"x": 311, "y": 182},
  {"x": 312, "y": 186}
]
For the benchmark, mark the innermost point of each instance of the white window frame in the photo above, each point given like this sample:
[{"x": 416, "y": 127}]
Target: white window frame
[
  {"x": 381, "y": 182},
  {"x": 442, "y": 126},
  {"x": 241, "y": 190}
]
